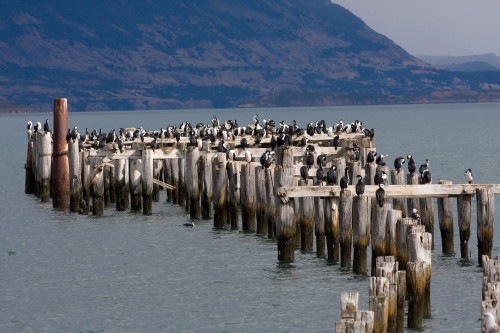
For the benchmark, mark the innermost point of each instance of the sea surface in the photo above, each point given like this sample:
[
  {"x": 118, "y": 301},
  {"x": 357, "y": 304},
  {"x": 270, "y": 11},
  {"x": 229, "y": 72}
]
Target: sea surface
[{"x": 125, "y": 272}]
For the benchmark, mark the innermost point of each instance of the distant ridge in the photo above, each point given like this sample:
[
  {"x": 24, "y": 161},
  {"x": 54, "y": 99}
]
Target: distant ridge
[
  {"x": 120, "y": 55},
  {"x": 481, "y": 62}
]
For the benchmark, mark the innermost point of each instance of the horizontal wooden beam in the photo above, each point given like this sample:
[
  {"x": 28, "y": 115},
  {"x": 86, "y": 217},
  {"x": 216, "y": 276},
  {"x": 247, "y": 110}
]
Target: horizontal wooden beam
[{"x": 391, "y": 191}]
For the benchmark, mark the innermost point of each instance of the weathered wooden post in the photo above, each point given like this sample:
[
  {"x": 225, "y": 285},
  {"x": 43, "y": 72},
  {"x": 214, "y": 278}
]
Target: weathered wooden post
[
  {"x": 192, "y": 189},
  {"x": 319, "y": 227},
  {"x": 136, "y": 169},
  {"x": 415, "y": 271},
  {"x": 29, "y": 181},
  {"x": 485, "y": 222},
  {"x": 206, "y": 186},
  {"x": 86, "y": 182},
  {"x": 234, "y": 192},
  {"x": 107, "y": 185},
  {"x": 271, "y": 209},
  {"x": 402, "y": 229},
  {"x": 221, "y": 208},
  {"x": 285, "y": 228},
  {"x": 379, "y": 303},
  {"x": 306, "y": 213},
  {"x": 36, "y": 162},
  {"x": 157, "y": 171},
  {"x": 370, "y": 169},
  {"x": 60, "y": 165},
  {"x": 122, "y": 189},
  {"x": 355, "y": 169},
  {"x": 147, "y": 182},
  {"x": 345, "y": 227},
  {"x": 361, "y": 212},
  {"x": 97, "y": 185},
  {"x": 427, "y": 215},
  {"x": 182, "y": 198},
  {"x": 412, "y": 179},
  {"x": 387, "y": 267},
  {"x": 248, "y": 197},
  {"x": 167, "y": 176},
  {"x": 464, "y": 217},
  {"x": 400, "y": 323},
  {"x": 174, "y": 178},
  {"x": 44, "y": 167},
  {"x": 378, "y": 232},
  {"x": 75, "y": 175},
  {"x": 445, "y": 217},
  {"x": 397, "y": 178},
  {"x": 332, "y": 229},
  {"x": 261, "y": 201},
  {"x": 391, "y": 244}
]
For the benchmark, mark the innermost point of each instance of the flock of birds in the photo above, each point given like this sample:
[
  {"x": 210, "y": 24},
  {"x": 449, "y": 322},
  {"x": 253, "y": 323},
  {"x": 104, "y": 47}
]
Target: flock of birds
[{"x": 280, "y": 134}]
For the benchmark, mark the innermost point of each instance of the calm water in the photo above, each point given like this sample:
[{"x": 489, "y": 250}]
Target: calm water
[{"x": 124, "y": 272}]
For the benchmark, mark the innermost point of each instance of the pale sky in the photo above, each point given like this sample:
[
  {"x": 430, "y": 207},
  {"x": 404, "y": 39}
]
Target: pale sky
[{"x": 434, "y": 27}]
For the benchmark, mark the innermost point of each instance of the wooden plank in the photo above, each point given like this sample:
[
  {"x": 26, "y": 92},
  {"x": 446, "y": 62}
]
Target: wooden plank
[
  {"x": 165, "y": 185},
  {"x": 391, "y": 191}
]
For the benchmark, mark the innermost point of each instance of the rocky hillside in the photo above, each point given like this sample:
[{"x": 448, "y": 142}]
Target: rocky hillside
[{"x": 115, "y": 55}]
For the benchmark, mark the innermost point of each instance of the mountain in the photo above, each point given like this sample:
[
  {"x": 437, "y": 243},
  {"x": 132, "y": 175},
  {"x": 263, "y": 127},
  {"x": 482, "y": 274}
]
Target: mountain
[
  {"x": 151, "y": 54},
  {"x": 481, "y": 62}
]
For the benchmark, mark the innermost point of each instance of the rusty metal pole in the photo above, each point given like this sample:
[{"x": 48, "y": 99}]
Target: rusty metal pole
[{"x": 60, "y": 164}]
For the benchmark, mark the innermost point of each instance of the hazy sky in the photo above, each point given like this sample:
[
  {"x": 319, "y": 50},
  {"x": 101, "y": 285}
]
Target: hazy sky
[{"x": 434, "y": 27}]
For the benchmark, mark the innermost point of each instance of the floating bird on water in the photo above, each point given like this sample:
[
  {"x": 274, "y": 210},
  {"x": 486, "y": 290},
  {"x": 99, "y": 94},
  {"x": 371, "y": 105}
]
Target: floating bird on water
[
  {"x": 468, "y": 176},
  {"x": 380, "y": 195},
  {"x": 360, "y": 186},
  {"x": 189, "y": 224},
  {"x": 332, "y": 176},
  {"x": 398, "y": 163},
  {"x": 411, "y": 164},
  {"x": 490, "y": 323},
  {"x": 344, "y": 181}
]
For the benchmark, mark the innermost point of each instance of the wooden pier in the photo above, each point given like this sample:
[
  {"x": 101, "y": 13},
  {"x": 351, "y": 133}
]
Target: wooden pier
[{"x": 219, "y": 184}]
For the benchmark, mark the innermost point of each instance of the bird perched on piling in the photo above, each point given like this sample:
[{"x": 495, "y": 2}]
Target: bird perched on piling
[
  {"x": 336, "y": 141},
  {"x": 309, "y": 158},
  {"x": 320, "y": 174},
  {"x": 490, "y": 323},
  {"x": 267, "y": 159},
  {"x": 412, "y": 167},
  {"x": 360, "y": 186},
  {"x": 46, "y": 127},
  {"x": 370, "y": 157},
  {"x": 423, "y": 166},
  {"x": 425, "y": 175},
  {"x": 344, "y": 181},
  {"x": 380, "y": 176},
  {"x": 248, "y": 155},
  {"x": 398, "y": 163},
  {"x": 304, "y": 173},
  {"x": 332, "y": 175},
  {"x": 468, "y": 176},
  {"x": 75, "y": 135},
  {"x": 321, "y": 160},
  {"x": 415, "y": 214},
  {"x": 380, "y": 195},
  {"x": 381, "y": 159}
]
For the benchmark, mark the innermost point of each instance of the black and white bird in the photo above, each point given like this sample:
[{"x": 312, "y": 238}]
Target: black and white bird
[
  {"x": 468, "y": 176},
  {"x": 248, "y": 155},
  {"x": 490, "y": 323},
  {"x": 423, "y": 167},
  {"x": 398, "y": 163},
  {"x": 321, "y": 160},
  {"x": 46, "y": 127},
  {"x": 360, "y": 186},
  {"x": 267, "y": 159},
  {"x": 412, "y": 167},
  {"x": 332, "y": 176},
  {"x": 309, "y": 158},
  {"x": 380, "y": 177},
  {"x": 380, "y": 160},
  {"x": 344, "y": 181},
  {"x": 75, "y": 135},
  {"x": 320, "y": 175},
  {"x": 190, "y": 224},
  {"x": 415, "y": 214},
  {"x": 304, "y": 173},
  {"x": 380, "y": 195},
  {"x": 336, "y": 142},
  {"x": 426, "y": 177},
  {"x": 370, "y": 157}
]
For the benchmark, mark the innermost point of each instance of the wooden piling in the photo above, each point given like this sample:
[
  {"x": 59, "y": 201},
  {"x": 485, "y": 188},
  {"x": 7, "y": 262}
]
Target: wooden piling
[
  {"x": 206, "y": 186},
  {"x": 192, "y": 188},
  {"x": 415, "y": 290},
  {"x": 44, "y": 166},
  {"x": 107, "y": 185},
  {"x": 147, "y": 182},
  {"x": 174, "y": 179},
  {"x": 271, "y": 194},
  {"x": 122, "y": 189},
  {"x": 445, "y": 217},
  {"x": 332, "y": 229},
  {"x": 485, "y": 222},
  {"x": 167, "y": 176},
  {"x": 285, "y": 228},
  {"x": 361, "y": 217},
  {"x": 181, "y": 179},
  {"x": 136, "y": 169},
  {"x": 370, "y": 169},
  {"x": 248, "y": 197},
  {"x": 355, "y": 169},
  {"x": 345, "y": 228},
  {"x": 427, "y": 215},
  {"x": 97, "y": 186},
  {"x": 378, "y": 232},
  {"x": 319, "y": 227},
  {"x": 412, "y": 179},
  {"x": 157, "y": 171},
  {"x": 86, "y": 182},
  {"x": 221, "y": 207},
  {"x": 261, "y": 201},
  {"x": 464, "y": 218},
  {"x": 29, "y": 181},
  {"x": 401, "y": 301},
  {"x": 379, "y": 303},
  {"x": 306, "y": 214},
  {"x": 234, "y": 193},
  {"x": 391, "y": 248},
  {"x": 397, "y": 178},
  {"x": 402, "y": 229},
  {"x": 75, "y": 175},
  {"x": 60, "y": 166}
]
